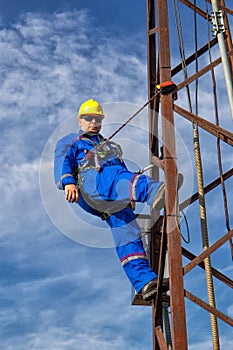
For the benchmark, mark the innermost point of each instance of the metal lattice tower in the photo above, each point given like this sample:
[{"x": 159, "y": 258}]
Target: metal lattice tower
[{"x": 165, "y": 235}]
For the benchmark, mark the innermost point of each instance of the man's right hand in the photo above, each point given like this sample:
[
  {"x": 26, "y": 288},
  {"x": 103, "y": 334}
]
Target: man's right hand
[{"x": 71, "y": 193}]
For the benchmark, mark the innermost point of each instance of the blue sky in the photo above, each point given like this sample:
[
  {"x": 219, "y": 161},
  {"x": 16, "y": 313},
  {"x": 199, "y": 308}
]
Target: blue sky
[{"x": 63, "y": 288}]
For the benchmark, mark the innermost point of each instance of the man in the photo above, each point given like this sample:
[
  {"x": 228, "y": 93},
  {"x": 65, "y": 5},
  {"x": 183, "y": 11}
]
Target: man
[{"x": 95, "y": 176}]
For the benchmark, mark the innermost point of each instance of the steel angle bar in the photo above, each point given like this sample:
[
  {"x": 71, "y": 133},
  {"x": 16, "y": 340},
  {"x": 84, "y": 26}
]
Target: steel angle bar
[
  {"x": 207, "y": 252},
  {"x": 208, "y": 308},
  {"x": 207, "y": 189},
  {"x": 179, "y": 334},
  {"x": 201, "y": 72},
  {"x": 161, "y": 264},
  {"x": 194, "y": 56},
  {"x": 153, "y": 30},
  {"x": 220, "y": 276},
  {"x": 158, "y": 162},
  {"x": 213, "y": 129},
  {"x": 195, "y": 8},
  {"x": 160, "y": 338}
]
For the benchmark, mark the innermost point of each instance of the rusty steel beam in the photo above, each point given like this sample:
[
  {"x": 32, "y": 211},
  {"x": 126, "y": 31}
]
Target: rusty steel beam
[
  {"x": 207, "y": 189},
  {"x": 152, "y": 31},
  {"x": 213, "y": 129},
  {"x": 152, "y": 79},
  {"x": 158, "y": 162},
  {"x": 207, "y": 252},
  {"x": 201, "y": 12},
  {"x": 194, "y": 56},
  {"x": 209, "y": 308},
  {"x": 197, "y": 75},
  {"x": 158, "y": 261},
  {"x": 157, "y": 311},
  {"x": 179, "y": 335},
  {"x": 215, "y": 272},
  {"x": 160, "y": 338}
]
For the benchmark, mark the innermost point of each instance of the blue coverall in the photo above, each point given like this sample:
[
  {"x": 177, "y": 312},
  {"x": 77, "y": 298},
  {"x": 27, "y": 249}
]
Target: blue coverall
[{"x": 110, "y": 188}]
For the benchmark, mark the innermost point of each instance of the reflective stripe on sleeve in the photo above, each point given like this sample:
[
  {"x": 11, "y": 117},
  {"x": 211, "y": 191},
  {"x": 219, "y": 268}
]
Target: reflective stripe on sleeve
[
  {"x": 133, "y": 183},
  {"x": 63, "y": 176}
]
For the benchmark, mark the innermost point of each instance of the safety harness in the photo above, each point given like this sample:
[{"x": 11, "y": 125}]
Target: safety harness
[
  {"x": 102, "y": 153},
  {"x": 97, "y": 156}
]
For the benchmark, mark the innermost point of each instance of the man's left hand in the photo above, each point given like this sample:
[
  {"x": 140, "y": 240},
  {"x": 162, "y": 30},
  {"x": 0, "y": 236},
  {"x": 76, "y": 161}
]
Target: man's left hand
[{"x": 71, "y": 193}]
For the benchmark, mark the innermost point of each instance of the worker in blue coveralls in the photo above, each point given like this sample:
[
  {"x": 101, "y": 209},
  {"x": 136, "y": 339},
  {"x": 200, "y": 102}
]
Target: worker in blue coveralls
[{"x": 95, "y": 176}]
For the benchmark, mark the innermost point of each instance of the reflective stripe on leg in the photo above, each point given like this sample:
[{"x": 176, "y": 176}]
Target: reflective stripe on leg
[{"x": 130, "y": 257}]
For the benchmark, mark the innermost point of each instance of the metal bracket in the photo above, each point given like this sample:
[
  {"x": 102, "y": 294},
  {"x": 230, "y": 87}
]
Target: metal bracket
[{"x": 218, "y": 23}]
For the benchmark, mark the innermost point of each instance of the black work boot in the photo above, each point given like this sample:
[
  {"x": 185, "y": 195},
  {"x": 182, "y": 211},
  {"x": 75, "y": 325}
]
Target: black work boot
[
  {"x": 149, "y": 290},
  {"x": 180, "y": 181}
]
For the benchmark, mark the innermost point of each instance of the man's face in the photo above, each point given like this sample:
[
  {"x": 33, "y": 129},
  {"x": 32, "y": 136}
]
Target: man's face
[{"x": 90, "y": 123}]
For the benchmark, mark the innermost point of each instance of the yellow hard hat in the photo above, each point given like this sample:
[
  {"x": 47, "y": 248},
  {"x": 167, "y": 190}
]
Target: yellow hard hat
[{"x": 91, "y": 107}]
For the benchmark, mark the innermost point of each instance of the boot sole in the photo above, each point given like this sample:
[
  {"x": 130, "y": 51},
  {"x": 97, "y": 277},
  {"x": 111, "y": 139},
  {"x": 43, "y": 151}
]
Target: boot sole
[{"x": 149, "y": 295}]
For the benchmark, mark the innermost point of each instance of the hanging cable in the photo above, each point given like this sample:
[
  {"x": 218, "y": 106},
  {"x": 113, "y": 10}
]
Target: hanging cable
[
  {"x": 177, "y": 17},
  {"x": 203, "y": 218},
  {"x": 176, "y": 10},
  {"x": 205, "y": 240},
  {"x": 196, "y": 59},
  {"x": 218, "y": 140},
  {"x": 187, "y": 228},
  {"x": 164, "y": 88}
]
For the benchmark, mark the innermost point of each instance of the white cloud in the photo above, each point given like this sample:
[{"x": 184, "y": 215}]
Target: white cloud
[
  {"x": 56, "y": 62},
  {"x": 57, "y": 338}
]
